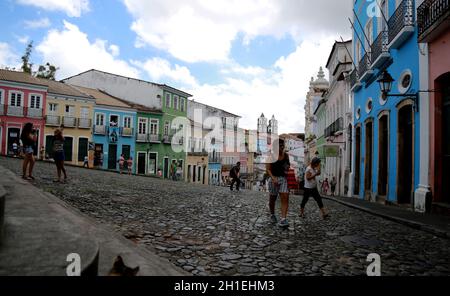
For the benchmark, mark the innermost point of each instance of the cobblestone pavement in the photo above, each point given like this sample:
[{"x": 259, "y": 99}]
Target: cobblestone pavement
[{"x": 209, "y": 231}]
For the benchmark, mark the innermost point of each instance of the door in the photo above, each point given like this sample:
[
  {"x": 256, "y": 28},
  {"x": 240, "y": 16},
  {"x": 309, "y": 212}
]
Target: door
[
  {"x": 68, "y": 148},
  {"x": 141, "y": 163},
  {"x": 383, "y": 141},
  {"x": 357, "y": 160},
  {"x": 83, "y": 146},
  {"x": 446, "y": 140},
  {"x": 13, "y": 136},
  {"x": 152, "y": 163},
  {"x": 194, "y": 174},
  {"x": 368, "y": 161},
  {"x": 112, "y": 157},
  {"x": 126, "y": 151},
  {"x": 166, "y": 168},
  {"x": 405, "y": 155}
]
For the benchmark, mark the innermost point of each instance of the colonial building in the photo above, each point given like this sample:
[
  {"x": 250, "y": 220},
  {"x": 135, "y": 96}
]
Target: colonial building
[
  {"x": 23, "y": 99},
  {"x": 74, "y": 110},
  {"x": 386, "y": 133},
  {"x": 197, "y": 155},
  {"x": 434, "y": 43}
]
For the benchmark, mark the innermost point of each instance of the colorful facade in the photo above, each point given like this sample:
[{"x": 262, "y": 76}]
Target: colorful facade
[
  {"x": 23, "y": 99},
  {"x": 386, "y": 133}
]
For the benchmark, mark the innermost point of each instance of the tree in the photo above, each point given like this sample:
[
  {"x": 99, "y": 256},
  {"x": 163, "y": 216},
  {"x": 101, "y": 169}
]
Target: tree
[
  {"x": 26, "y": 66},
  {"x": 47, "y": 72}
]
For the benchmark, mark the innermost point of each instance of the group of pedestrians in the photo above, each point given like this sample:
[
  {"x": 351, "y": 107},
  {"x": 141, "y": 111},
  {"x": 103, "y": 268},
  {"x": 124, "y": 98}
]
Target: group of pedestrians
[{"x": 128, "y": 162}]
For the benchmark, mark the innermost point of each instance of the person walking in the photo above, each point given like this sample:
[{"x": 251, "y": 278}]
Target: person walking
[
  {"x": 86, "y": 162},
  {"x": 325, "y": 186},
  {"x": 59, "y": 155},
  {"x": 278, "y": 184},
  {"x": 121, "y": 163},
  {"x": 130, "y": 165},
  {"x": 173, "y": 170},
  {"x": 312, "y": 171},
  {"x": 234, "y": 175},
  {"x": 333, "y": 184},
  {"x": 15, "y": 149},
  {"x": 28, "y": 138}
]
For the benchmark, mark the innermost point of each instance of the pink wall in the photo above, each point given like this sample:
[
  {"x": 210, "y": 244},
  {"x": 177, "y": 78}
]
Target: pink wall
[
  {"x": 7, "y": 122},
  {"x": 439, "y": 63}
]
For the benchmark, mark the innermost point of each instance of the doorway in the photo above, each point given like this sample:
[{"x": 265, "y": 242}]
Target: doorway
[
  {"x": 405, "y": 155},
  {"x": 13, "y": 137},
  {"x": 166, "y": 168},
  {"x": 112, "y": 157},
  {"x": 445, "y": 136},
  {"x": 357, "y": 160},
  {"x": 68, "y": 148},
  {"x": 383, "y": 152},
  {"x": 368, "y": 161},
  {"x": 141, "y": 163}
]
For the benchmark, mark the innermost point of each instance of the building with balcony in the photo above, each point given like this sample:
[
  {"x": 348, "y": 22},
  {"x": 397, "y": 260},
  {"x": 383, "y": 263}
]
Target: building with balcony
[
  {"x": 433, "y": 20},
  {"x": 23, "y": 99},
  {"x": 197, "y": 157},
  {"x": 113, "y": 129},
  {"x": 338, "y": 119},
  {"x": 385, "y": 136},
  {"x": 73, "y": 109}
]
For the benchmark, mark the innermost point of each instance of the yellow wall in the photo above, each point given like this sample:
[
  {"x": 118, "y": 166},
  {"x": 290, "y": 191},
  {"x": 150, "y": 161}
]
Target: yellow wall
[
  {"x": 76, "y": 132},
  {"x": 196, "y": 161}
]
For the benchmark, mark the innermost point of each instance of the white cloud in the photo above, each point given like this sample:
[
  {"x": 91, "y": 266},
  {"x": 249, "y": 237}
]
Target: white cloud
[
  {"x": 71, "y": 51},
  {"x": 23, "y": 39},
  {"x": 73, "y": 8},
  {"x": 159, "y": 69},
  {"x": 115, "y": 50},
  {"x": 203, "y": 30},
  {"x": 38, "y": 24},
  {"x": 8, "y": 58}
]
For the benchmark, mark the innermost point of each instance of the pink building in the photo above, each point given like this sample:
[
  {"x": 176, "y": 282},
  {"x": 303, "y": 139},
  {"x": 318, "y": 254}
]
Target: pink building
[{"x": 22, "y": 100}]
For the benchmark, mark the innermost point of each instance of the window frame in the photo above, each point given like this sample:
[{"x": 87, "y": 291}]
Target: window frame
[
  {"x": 176, "y": 102},
  {"x": 124, "y": 121},
  {"x": 143, "y": 121},
  {"x": 16, "y": 92},
  {"x": 168, "y": 99},
  {"x": 154, "y": 122},
  {"x": 103, "y": 116},
  {"x": 36, "y": 96},
  {"x": 118, "y": 120},
  {"x": 2, "y": 95}
]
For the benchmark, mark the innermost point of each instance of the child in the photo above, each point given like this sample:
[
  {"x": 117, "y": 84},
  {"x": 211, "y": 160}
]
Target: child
[{"x": 130, "y": 165}]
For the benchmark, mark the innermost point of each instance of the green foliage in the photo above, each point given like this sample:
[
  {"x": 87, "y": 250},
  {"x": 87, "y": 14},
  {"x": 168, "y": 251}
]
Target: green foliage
[{"x": 26, "y": 66}]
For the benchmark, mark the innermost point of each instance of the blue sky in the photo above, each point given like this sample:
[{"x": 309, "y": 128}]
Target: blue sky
[{"x": 246, "y": 57}]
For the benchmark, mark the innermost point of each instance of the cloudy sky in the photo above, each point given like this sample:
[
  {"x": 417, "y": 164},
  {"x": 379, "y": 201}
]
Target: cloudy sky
[{"x": 244, "y": 56}]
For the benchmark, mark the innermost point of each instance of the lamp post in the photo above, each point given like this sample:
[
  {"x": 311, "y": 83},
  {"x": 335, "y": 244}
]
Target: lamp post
[{"x": 385, "y": 81}]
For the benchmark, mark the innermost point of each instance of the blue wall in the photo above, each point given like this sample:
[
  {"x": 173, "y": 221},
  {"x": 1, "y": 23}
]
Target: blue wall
[
  {"x": 104, "y": 140},
  {"x": 405, "y": 57}
]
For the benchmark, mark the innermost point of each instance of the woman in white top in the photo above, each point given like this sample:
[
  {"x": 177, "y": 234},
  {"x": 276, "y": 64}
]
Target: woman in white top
[{"x": 311, "y": 172}]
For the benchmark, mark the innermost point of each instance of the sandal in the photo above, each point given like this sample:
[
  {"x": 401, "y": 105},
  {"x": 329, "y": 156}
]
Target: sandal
[
  {"x": 31, "y": 178},
  {"x": 26, "y": 178}
]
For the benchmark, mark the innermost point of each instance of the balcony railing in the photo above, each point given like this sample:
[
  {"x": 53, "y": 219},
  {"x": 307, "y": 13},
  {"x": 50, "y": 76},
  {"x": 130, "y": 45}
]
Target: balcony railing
[
  {"x": 167, "y": 139},
  {"x": 364, "y": 68},
  {"x": 52, "y": 120},
  {"x": 142, "y": 138},
  {"x": 154, "y": 138},
  {"x": 69, "y": 121},
  {"x": 126, "y": 132},
  {"x": 431, "y": 15},
  {"x": 84, "y": 123},
  {"x": 354, "y": 80},
  {"x": 100, "y": 130},
  {"x": 401, "y": 24},
  {"x": 15, "y": 111},
  {"x": 380, "y": 49},
  {"x": 2, "y": 109},
  {"x": 335, "y": 127},
  {"x": 34, "y": 113}
]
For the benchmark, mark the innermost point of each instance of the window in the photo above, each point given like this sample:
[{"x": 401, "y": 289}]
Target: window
[
  {"x": 166, "y": 128},
  {"x": 113, "y": 120},
  {"x": 369, "y": 34},
  {"x": 182, "y": 104},
  {"x": 99, "y": 119},
  {"x": 84, "y": 112},
  {"x": 127, "y": 122},
  {"x": 175, "y": 102},
  {"x": 35, "y": 101},
  {"x": 168, "y": 101},
  {"x": 52, "y": 108},
  {"x": 142, "y": 126},
  {"x": 15, "y": 99},
  {"x": 70, "y": 111},
  {"x": 1, "y": 96},
  {"x": 154, "y": 126}
]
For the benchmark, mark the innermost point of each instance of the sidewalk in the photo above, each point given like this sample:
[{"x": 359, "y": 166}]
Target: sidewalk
[{"x": 438, "y": 225}]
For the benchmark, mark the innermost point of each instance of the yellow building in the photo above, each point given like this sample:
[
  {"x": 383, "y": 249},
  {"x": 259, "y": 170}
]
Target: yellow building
[
  {"x": 196, "y": 168},
  {"x": 73, "y": 110}
]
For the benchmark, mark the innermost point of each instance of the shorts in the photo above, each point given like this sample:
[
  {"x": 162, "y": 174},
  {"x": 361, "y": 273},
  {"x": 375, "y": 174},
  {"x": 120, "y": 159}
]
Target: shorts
[
  {"x": 29, "y": 150},
  {"x": 59, "y": 156},
  {"x": 281, "y": 187}
]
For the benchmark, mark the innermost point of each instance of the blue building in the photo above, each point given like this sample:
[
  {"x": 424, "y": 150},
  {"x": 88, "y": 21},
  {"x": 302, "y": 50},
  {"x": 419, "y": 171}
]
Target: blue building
[
  {"x": 113, "y": 131},
  {"x": 386, "y": 128}
]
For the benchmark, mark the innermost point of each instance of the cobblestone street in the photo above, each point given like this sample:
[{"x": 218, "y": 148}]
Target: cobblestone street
[{"x": 209, "y": 231}]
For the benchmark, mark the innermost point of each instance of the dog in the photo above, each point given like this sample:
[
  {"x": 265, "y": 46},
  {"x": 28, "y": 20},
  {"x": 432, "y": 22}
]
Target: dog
[{"x": 120, "y": 269}]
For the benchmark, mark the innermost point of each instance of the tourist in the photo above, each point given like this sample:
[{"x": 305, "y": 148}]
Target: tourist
[
  {"x": 173, "y": 171},
  {"x": 234, "y": 175},
  {"x": 325, "y": 186},
  {"x": 278, "y": 185},
  {"x": 86, "y": 162},
  {"x": 15, "y": 149},
  {"x": 312, "y": 171},
  {"x": 179, "y": 172},
  {"x": 121, "y": 163},
  {"x": 28, "y": 138},
  {"x": 333, "y": 184},
  {"x": 59, "y": 155},
  {"x": 130, "y": 165}
]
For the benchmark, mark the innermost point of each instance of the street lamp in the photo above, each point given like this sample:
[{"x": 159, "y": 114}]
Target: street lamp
[{"x": 385, "y": 81}]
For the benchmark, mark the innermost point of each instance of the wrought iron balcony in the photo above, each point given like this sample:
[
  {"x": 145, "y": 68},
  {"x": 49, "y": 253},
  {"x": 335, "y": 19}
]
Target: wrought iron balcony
[
  {"x": 69, "y": 121},
  {"x": 335, "y": 127},
  {"x": 380, "y": 49},
  {"x": 154, "y": 138},
  {"x": 354, "y": 80},
  {"x": 33, "y": 112},
  {"x": 14, "y": 111},
  {"x": 401, "y": 24},
  {"x": 364, "y": 69},
  {"x": 126, "y": 132},
  {"x": 53, "y": 120},
  {"x": 433, "y": 19},
  {"x": 100, "y": 130},
  {"x": 84, "y": 123},
  {"x": 142, "y": 138}
]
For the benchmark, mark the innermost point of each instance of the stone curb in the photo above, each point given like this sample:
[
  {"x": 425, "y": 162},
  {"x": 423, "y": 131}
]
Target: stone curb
[{"x": 410, "y": 223}]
